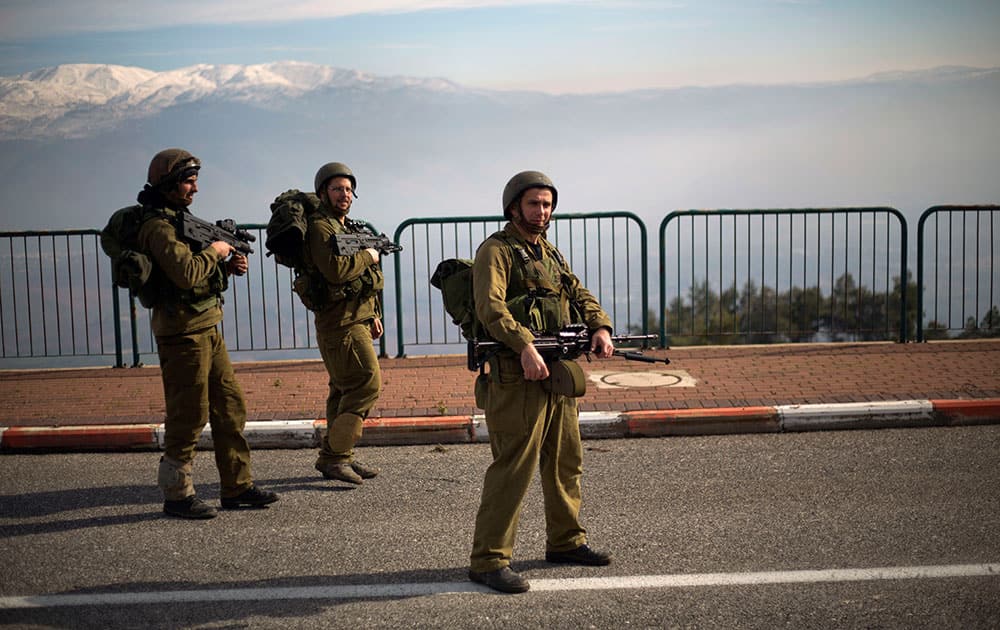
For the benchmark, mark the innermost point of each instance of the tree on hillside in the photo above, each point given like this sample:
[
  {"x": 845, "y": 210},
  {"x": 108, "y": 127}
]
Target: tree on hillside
[{"x": 759, "y": 314}]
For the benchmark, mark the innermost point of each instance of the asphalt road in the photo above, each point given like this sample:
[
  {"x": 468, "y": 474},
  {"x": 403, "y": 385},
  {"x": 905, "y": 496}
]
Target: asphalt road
[{"x": 737, "y": 531}]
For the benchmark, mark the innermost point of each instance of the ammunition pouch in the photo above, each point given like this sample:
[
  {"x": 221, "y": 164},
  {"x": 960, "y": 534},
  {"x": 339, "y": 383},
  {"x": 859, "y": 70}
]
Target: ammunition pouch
[
  {"x": 369, "y": 283},
  {"x": 159, "y": 291},
  {"x": 310, "y": 286},
  {"x": 538, "y": 310}
]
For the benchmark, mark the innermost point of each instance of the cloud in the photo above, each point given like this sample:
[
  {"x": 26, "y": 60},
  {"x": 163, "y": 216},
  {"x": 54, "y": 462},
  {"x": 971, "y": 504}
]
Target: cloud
[{"x": 29, "y": 19}]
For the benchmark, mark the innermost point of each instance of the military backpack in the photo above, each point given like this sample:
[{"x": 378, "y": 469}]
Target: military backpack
[
  {"x": 130, "y": 268},
  {"x": 453, "y": 277},
  {"x": 286, "y": 235}
]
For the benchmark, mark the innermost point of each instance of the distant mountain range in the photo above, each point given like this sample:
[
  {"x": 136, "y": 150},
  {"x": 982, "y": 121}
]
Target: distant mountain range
[
  {"x": 75, "y": 141},
  {"x": 80, "y": 100}
]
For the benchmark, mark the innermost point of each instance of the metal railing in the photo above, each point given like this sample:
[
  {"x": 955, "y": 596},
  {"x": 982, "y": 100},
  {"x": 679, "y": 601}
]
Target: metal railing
[
  {"x": 263, "y": 316},
  {"x": 55, "y": 297},
  {"x": 726, "y": 276},
  {"x": 606, "y": 250},
  {"x": 262, "y": 313},
  {"x": 958, "y": 275},
  {"x": 58, "y": 300},
  {"x": 782, "y": 275}
]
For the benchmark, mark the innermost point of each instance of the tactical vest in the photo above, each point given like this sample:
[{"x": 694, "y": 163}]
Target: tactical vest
[
  {"x": 537, "y": 290},
  {"x": 162, "y": 293},
  {"x": 370, "y": 282}
]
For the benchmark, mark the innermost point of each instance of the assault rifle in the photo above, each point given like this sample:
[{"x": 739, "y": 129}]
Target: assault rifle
[
  {"x": 202, "y": 233},
  {"x": 569, "y": 343},
  {"x": 353, "y": 242}
]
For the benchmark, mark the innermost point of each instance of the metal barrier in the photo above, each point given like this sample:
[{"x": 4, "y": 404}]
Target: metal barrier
[
  {"x": 964, "y": 278},
  {"x": 262, "y": 313},
  {"x": 607, "y": 251},
  {"x": 736, "y": 276},
  {"x": 57, "y": 300},
  {"x": 743, "y": 276},
  {"x": 55, "y": 296}
]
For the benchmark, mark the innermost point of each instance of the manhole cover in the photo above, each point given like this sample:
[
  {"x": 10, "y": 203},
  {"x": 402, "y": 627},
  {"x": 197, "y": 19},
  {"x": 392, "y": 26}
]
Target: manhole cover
[{"x": 660, "y": 378}]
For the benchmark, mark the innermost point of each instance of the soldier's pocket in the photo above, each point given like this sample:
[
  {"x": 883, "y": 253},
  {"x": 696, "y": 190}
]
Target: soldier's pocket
[
  {"x": 511, "y": 400},
  {"x": 482, "y": 390}
]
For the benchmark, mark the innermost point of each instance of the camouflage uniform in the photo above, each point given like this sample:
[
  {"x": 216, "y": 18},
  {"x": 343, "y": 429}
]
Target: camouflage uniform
[
  {"x": 198, "y": 382},
  {"x": 527, "y": 424},
  {"x": 343, "y": 332}
]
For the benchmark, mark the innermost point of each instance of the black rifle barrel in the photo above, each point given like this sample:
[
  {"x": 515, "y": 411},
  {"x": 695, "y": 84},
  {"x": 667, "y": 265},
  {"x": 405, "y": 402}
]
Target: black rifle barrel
[
  {"x": 347, "y": 244},
  {"x": 569, "y": 344},
  {"x": 202, "y": 233}
]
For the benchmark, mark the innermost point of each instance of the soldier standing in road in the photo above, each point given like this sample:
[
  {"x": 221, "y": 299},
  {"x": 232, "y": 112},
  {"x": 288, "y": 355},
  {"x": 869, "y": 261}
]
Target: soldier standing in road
[
  {"x": 198, "y": 382},
  {"x": 530, "y": 425},
  {"x": 348, "y": 319}
]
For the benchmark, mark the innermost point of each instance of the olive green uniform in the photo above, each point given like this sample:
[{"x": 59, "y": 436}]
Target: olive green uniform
[
  {"x": 527, "y": 424},
  {"x": 343, "y": 332},
  {"x": 199, "y": 385}
]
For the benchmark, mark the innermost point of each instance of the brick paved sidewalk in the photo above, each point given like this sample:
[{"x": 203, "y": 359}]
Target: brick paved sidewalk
[{"x": 723, "y": 376}]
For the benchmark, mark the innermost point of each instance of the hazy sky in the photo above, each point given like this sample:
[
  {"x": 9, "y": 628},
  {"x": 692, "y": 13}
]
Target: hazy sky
[{"x": 556, "y": 46}]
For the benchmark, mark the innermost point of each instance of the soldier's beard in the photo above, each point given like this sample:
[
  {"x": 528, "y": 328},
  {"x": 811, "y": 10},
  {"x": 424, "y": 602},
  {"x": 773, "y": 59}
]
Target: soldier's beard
[
  {"x": 530, "y": 228},
  {"x": 176, "y": 200},
  {"x": 336, "y": 210}
]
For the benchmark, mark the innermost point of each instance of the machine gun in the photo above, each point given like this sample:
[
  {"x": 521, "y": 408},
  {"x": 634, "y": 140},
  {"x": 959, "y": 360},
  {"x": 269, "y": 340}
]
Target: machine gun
[
  {"x": 365, "y": 237},
  {"x": 568, "y": 344},
  {"x": 201, "y": 233}
]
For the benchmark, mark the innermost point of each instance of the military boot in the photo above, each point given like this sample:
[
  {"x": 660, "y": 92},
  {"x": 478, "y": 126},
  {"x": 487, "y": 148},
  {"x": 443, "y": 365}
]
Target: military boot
[
  {"x": 190, "y": 507},
  {"x": 581, "y": 555},
  {"x": 341, "y": 471},
  {"x": 366, "y": 472},
  {"x": 503, "y": 579},
  {"x": 252, "y": 497}
]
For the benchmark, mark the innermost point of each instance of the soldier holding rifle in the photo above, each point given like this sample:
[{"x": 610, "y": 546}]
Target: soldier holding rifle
[
  {"x": 348, "y": 318},
  {"x": 523, "y": 289},
  {"x": 198, "y": 381}
]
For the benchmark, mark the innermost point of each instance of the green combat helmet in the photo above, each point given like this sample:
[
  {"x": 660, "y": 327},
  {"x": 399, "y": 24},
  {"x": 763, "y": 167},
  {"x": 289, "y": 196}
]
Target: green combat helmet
[
  {"x": 522, "y": 182},
  {"x": 171, "y": 165},
  {"x": 334, "y": 169}
]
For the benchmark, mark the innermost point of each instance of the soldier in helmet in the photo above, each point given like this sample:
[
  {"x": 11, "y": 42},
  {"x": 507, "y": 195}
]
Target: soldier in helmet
[
  {"x": 198, "y": 381},
  {"x": 348, "y": 319},
  {"x": 522, "y": 286}
]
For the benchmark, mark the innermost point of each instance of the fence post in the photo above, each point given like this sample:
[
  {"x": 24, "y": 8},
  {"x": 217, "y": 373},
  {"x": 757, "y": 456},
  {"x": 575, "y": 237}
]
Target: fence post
[
  {"x": 116, "y": 307},
  {"x": 135, "y": 333}
]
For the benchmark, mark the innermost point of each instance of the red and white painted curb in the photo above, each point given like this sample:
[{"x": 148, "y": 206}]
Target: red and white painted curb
[{"x": 593, "y": 425}]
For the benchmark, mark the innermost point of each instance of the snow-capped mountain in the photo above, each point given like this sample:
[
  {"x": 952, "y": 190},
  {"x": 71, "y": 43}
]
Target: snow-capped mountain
[
  {"x": 75, "y": 142},
  {"x": 80, "y": 100}
]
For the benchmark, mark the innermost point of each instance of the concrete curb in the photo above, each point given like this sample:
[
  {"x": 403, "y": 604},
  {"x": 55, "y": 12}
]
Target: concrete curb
[{"x": 593, "y": 425}]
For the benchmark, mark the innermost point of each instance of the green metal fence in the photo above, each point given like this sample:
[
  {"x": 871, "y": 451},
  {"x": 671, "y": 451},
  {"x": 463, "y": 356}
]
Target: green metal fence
[
  {"x": 725, "y": 276},
  {"x": 958, "y": 274},
  {"x": 263, "y": 318},
  {"x": 55, "y": 296},
  {"x": 58, "y": 306},
  {"x": 782, "y": 275}
]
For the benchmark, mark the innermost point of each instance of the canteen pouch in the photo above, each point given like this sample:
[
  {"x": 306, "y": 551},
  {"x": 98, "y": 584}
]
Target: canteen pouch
[{"x": 566, "y": 378}]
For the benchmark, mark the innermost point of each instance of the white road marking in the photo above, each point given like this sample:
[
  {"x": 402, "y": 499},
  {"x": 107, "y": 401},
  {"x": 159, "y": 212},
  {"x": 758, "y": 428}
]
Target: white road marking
[{"x": 375, "y": 591}]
